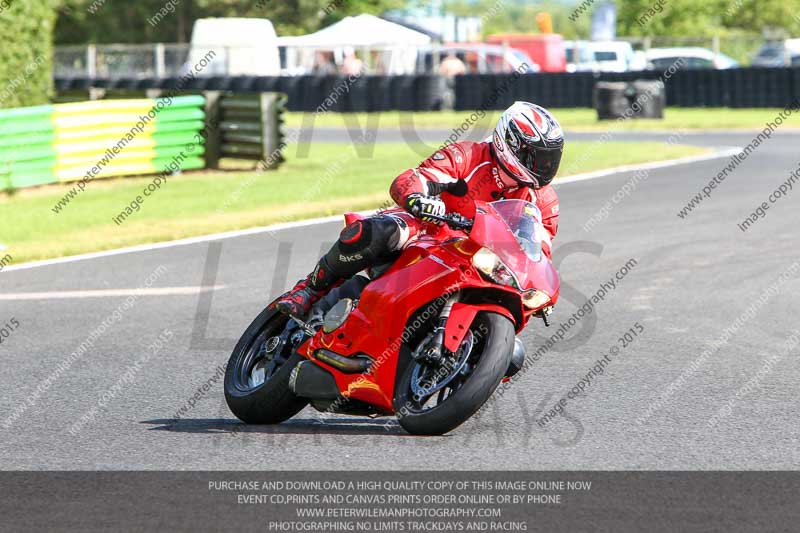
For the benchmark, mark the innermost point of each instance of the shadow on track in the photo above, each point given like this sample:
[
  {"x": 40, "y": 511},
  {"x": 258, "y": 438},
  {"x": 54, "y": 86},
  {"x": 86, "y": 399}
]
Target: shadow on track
[{"x": 297, "y": 426}]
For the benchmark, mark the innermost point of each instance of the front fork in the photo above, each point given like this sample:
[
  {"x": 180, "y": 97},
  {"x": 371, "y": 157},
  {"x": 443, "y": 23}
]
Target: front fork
[
  {"x": 434, "y": 351},
  {"x": 453, "y": 324}
]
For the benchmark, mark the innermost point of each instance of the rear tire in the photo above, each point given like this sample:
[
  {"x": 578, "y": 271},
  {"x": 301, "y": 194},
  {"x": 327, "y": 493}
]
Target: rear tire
[
  {"x": 272, "y": 401},
  {"x": 465, "y": 401}
]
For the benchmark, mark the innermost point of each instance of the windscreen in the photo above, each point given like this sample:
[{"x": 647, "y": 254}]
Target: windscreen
[
  {"x": 771, "y": 51},
  {"x": 525, "y": 221},
  {"x": 605, "y": 56}
]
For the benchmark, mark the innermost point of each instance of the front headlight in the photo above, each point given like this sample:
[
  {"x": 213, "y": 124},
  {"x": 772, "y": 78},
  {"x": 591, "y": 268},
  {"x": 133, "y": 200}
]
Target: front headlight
[
  {"x": 534, "y": 299},
  {"x": 488, "y": 264}
]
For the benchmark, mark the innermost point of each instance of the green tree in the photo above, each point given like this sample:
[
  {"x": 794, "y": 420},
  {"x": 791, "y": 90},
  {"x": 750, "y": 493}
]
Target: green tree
[
  {"x": 502, "y": 16},
  {"x": 690, "y": 18},
  {"x": 782, "y": 16},
  {"x": 123, "y": 21},
  {"x": 26, "y": 31}
]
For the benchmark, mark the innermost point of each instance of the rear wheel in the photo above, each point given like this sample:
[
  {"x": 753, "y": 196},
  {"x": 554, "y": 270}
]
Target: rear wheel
[
  {"x": 257, "y": 377},
  {"x": 434, "y": 398}
]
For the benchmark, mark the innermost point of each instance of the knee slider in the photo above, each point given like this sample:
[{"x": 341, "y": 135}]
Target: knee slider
[
  {"x": 363, "y": 242},
  {"x": 356, "y": 236},
  {"x": 372, "y": 237},
  {"x": 351, "y": 252}
]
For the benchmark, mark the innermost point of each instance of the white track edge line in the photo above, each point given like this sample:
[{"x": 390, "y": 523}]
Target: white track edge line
[{"x": 726, "y": 151}]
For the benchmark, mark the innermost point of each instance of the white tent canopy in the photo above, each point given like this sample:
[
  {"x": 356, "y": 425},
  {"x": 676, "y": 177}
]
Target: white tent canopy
[
  {"x": 395, "y": 45},
  {"x": 359, "y": 31}
]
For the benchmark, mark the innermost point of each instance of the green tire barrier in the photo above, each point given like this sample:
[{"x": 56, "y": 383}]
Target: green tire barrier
[{"x": 66, "y": 142}]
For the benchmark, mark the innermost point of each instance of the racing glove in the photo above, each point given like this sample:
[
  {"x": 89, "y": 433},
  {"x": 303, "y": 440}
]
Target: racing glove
[{"x": 425, "y": 207}]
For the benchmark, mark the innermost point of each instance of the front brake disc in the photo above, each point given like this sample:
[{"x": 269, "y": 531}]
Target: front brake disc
[{"x": 423, "y": 384}]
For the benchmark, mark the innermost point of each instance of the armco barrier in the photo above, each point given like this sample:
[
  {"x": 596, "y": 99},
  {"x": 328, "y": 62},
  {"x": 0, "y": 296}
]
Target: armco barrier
[{"x": 64, "y": 142}]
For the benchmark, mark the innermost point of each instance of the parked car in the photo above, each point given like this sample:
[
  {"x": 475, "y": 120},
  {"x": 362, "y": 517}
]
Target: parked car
[
  {"x": 479, "y": 58},
  {"x": 778, "y": 54},
  {"x": 693, "y": 58}
]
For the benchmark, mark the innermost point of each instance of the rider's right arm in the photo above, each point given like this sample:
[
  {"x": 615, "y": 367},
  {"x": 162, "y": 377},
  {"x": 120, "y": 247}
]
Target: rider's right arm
[
  {"x": 406, "y": 184},
  {"x": 441, "y": 167}
]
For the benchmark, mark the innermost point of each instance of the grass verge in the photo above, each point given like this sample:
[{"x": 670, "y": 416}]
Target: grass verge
[
  {"x": 331, "y": 179},
  {"x": 572, "y": 119}
]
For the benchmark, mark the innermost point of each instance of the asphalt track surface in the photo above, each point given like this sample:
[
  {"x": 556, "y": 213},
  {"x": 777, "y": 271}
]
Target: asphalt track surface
[{"x": 693, "y": 278}]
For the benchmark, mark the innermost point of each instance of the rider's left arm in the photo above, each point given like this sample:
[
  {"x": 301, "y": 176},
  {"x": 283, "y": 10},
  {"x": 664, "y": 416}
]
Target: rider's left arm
[{"x": 547, "y": 202}]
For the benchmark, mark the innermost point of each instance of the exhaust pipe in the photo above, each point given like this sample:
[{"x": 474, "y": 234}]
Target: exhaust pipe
[
  {"x": 358, "y": 364},
  {"x": 309, "y": 380}
]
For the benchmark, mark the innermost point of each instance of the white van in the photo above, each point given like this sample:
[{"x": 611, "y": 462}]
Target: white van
[
  {"x": 613, "y": 56},
  {"x": 580, "y": 57},
  {"x": 240, "y": 47}
]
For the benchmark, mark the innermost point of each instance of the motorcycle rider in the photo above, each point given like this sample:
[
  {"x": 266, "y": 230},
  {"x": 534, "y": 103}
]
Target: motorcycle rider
[{"x": 518, "y": 162}]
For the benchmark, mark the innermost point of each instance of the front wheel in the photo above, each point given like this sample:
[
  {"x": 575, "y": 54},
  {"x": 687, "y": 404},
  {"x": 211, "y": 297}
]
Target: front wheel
[
  {"x": 257, "y": 377},
  {"x": 434, "y": 398}
]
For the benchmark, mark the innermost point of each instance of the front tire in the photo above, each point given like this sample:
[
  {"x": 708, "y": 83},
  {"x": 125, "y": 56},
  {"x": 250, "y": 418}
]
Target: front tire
[
  {"x": 489, "y": 366},
  {"x": 270, "y": 401}
]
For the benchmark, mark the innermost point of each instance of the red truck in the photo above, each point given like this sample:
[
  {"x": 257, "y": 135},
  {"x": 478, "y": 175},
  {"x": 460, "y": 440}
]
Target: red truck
[{"x": 546, "y": 49}]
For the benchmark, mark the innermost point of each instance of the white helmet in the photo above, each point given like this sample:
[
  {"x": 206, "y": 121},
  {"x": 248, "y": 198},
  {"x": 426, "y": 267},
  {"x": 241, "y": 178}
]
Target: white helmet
[{"x": 528, "y": 143}]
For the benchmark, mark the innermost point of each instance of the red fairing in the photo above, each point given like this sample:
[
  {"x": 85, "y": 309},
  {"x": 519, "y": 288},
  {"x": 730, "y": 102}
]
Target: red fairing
[
  {"x": 428, "y": 268},
  {"x": 462, "y": 316},
  {"x": 474, "y": 163},
  {"x": 413, "y": 281}
]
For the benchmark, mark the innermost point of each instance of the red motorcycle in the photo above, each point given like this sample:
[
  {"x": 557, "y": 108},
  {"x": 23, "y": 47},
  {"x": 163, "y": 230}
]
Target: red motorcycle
[{"x": 427, "y": 339}]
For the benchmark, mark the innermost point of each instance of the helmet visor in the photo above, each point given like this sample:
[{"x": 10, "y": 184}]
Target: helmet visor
[
  {"x": 542, "y": 163},
  {"x": 545, "y": 165}
]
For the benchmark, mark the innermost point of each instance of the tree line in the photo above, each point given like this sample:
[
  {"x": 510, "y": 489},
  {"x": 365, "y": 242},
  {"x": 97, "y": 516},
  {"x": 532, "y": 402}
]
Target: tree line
[{"x": 29, "y": 29}]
